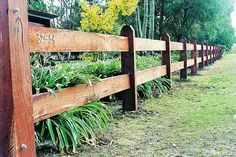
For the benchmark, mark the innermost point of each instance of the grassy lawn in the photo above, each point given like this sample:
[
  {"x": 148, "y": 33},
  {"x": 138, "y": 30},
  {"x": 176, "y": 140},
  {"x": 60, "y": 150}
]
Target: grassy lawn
[{"x": 198, "y": 118}]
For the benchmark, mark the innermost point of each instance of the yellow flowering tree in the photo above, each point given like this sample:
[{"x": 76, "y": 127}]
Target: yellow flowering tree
[{"x": 102, "y": 19}]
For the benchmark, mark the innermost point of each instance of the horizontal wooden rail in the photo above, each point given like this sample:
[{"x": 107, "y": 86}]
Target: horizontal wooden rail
[
  {"x": 149, "y": 45},
  {"x": 199, "y": 60},
  {"x": 199, "y": 47},
  {"x": 190, "y": 47},
  {"x": 190, "y": 62},
  {"x": 150, "y": 74},
  {"x": 176, "y": 45},
  {"x": 59, "y": 40},
  {"x": 45, "y": 105},
  {"x": 177, "y": 66}
]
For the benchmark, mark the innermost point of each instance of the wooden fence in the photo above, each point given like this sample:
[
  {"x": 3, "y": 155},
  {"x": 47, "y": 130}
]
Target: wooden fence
[{"x": 19, "y": 109}]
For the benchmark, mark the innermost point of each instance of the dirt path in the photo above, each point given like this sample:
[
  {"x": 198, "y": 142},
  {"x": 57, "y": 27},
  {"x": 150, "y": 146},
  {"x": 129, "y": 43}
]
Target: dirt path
[{"x": 198, "y": 118}]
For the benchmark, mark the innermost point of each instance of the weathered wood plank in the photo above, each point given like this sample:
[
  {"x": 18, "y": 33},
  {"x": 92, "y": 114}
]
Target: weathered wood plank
[
  {"x": 150, "y": 74},
  {"x": 177, "y": 66},
  {"x": 176, "y": 46},
  {"x": 45, "y": 105},
  {"x": 59, "y": 40},
  {"x": 149, "y": 45},
  {"x": 16, "y": 121}
]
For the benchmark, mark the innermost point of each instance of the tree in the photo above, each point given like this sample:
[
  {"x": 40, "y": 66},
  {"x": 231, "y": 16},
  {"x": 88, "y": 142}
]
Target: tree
[{"x": 106, "y": 18}]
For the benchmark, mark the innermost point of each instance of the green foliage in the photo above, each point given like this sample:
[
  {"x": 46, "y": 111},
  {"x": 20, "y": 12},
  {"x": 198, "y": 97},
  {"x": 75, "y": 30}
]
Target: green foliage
[
  {"x": 145, "y": 19},
  {"x": 154, "y": 87},
  {"x": 49, "y": 79},
  {"x": 61, "y": 76},
  {"x": 73, "y": 128},
  {"x": 37, "y": 5},
  {"x": 104, "y": 69},
  {"x": 104, "y": 18},
  {"x": 204, "y": 20},
  {"x": 147, "y": 62}
]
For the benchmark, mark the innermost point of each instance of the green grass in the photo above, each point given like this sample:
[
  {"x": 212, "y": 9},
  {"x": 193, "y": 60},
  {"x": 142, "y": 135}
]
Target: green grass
[{"x": 195, "y": 119}]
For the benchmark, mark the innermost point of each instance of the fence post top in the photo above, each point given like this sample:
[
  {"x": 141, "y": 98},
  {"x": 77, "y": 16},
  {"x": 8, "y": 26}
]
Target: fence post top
[
  {"x": 165, "y": 36},
  {"x": 194, "y": 41},
  {"x": 127, "y": 28},
  {"x": 184, "y": 40}
]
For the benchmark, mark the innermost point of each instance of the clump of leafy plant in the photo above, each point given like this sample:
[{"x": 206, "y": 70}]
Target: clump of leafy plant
[
  {"x": 71, "y": 129},
  {"x": 48, "y": 79},
  {"x": 154, "y": 87}
]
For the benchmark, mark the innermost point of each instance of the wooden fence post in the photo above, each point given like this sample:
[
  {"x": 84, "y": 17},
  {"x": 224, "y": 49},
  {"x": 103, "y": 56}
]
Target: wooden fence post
[
  {"x": 128, "y": 66},
  {"x": 16, "y": 110},
  {"x": 220, "y": 52},
  {"x": 213, "y": 54},
  {"x": 194, "y": 56},
  {"x": 210, "y": 54},
  {"x": 216, "y": 52},
  {"x": 201, "y": 65},
  {"x": 166, "y": 56},
  {"x": 183, "y": 57},
  {"x": 206, "y": 53}
]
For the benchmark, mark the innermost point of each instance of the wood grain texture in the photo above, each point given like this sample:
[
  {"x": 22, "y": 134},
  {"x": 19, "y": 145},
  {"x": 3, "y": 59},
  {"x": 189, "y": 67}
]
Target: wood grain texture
[
  {"x": 176, "y": 46},
  {"x": 149, "y": 45},
  {"x": 16, "y": 121},
  {"x": 128, "y": 66},
  {"x": 177, "y": 66},
  {"x": 150, "y": 74},
  {"x": 59, "y": 40},
  {"x": 45, "y": 105}
]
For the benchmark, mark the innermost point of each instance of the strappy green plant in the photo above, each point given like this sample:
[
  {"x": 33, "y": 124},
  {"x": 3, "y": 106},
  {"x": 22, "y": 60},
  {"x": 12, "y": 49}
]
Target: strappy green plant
[{"x": 71, "y": 129}]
